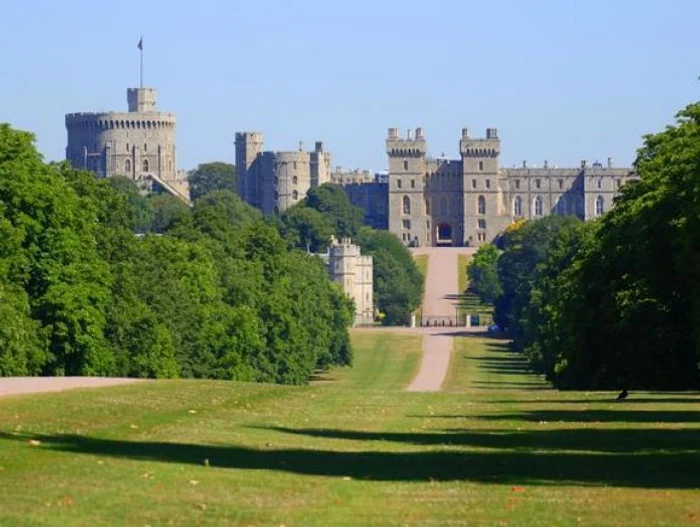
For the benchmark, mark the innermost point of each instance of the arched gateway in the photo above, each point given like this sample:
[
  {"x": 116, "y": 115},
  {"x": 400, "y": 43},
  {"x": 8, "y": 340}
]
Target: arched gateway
[{"x": 444, "y": 235}]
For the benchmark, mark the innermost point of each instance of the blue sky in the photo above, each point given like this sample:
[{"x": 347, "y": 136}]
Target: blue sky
[{"x": 562, "y": 80}]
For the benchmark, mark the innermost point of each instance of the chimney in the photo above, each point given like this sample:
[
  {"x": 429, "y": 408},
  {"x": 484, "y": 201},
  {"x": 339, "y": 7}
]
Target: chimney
[
  {"x": 419, "y": 133},
  {"x": 546, "y": 164},
  {"x": 584, "y": 163},
  {"x": 524, "y": 164},
  {"x": 408, "y": 134},
  {"x": 301, "y": 146},
  {"x": 465, "y": 133},
  {"x": 393, "y": 133},
  {"x": 610, "y": 162},
  {"x": 319, "y": 146}
]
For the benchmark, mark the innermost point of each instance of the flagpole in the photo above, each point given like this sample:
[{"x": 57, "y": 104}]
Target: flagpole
[{"x": 141, "y": 62}]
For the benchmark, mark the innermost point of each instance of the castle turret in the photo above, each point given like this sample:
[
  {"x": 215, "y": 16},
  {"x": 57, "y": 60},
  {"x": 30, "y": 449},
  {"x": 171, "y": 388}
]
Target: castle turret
[
  {"x": 407, "y": 169},
  {"x": 249, "y": 146},
  {"x": 483, "y": 196}
]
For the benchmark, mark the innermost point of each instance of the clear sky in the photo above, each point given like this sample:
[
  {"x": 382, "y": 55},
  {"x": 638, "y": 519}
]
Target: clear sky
[{"x": 562, "y": 80}]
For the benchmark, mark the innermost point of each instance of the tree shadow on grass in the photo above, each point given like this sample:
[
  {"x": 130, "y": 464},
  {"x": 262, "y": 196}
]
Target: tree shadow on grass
[
  {"x": 685, "y": 440},
  {"x": 648, "y": 470},
  {"x": 588, "y": 416}
]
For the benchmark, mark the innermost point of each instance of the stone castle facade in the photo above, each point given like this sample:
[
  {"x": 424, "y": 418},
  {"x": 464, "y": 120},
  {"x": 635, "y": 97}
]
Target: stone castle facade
[
  {"x": 470, "y": 200},
  {"x": 138, "y": 144},
  {"x": 353, "y": 271},
  {"x": 274, "y": 181}
]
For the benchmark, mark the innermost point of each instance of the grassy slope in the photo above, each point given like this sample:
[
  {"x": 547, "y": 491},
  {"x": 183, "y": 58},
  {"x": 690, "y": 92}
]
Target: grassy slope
[{"x": 353, "y": 449}]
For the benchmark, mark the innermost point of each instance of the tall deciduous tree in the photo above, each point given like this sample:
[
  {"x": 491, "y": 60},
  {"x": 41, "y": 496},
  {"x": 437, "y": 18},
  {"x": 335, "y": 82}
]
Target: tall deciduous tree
[{"x": 208, "y": 177}]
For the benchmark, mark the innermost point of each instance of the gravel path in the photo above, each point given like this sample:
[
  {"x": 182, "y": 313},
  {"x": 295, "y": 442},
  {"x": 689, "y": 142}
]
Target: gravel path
[
  {"x": 441, "y": 284},
  {"x": 23, "y": 385}
]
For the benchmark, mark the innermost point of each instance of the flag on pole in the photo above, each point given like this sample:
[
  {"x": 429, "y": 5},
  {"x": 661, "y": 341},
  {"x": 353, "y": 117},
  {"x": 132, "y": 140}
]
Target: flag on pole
[{"x": 140, "y": 45}]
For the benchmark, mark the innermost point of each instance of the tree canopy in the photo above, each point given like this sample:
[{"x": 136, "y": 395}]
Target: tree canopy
[
  {"x": 615, "y": 303},
  {"x": 96, "y": 279},
  {"x": 208, "y": 177}
]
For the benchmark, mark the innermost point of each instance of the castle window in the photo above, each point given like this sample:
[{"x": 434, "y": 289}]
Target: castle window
[
  {"x": 294, "y": 165},
  {"x": 276, "y": 195},
  {"x": 538, "y": 183},
  {"x": 145, "y": 147},
  {"x": 405, "y": 165},
  {"x": 127, "y": 166},
  {"x": 427, "y": 206},
  {"x": 517, "y": 183},
  {"x": 618, "y": 183},
  {"x": 294, "y": 180},
  {"x": 170, "y": 165},
  {"x": 561, "y": 183},
  {"x": 406, "y": 205},
  {"x": 481, "y": 205},
  {"x": 413, "y": 183},
  {"x": 443, "y": 206},
  {"x": 481, "y": 223},
  {"x": 600, "y": 183},
  {"x": 407, "y": 224},
  {"x": 517, "y": 206},
  {"x": 398, "y": 183},
  {"x": 538, "y": 206},
  {"x": 488, "y": 183},
  {"x": 599, "y": 206},
  {"x": 145, "y": 165},
  {"x": 127, "y": 147},
  {"x": 473, "y": 183},
  {"x": 481, "y": 166},
  {"x": 295, "y": 195},
  {"x": 276, "y": 181}
]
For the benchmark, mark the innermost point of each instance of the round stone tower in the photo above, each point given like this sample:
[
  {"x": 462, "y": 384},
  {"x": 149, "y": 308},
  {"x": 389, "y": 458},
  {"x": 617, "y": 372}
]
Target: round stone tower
[{"x": 138, "y": 144}]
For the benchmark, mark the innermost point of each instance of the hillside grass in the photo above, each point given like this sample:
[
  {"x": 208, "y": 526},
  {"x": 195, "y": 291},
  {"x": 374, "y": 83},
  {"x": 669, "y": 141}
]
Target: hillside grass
[{"x": 496, "y": 448}]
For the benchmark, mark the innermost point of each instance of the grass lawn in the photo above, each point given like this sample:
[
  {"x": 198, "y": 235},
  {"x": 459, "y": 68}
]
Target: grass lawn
[{"x": 496, "y": 448}]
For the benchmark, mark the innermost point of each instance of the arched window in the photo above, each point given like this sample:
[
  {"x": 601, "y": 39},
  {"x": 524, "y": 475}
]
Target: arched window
[
  {"x": 443, "y": 206},
  {"x": 481, "y": 205},
  {"x": 538, "y": 206},
  {"x": 295, "y": 195},
  {"x": 127, "y": 166},
  {"x": 145, "y": 165},
  {"x": 599, "y": 206},
  {"x": 517, "y": 206},
  {"x": 406, "y": 205},
  {"x": 294, "y": 180}
]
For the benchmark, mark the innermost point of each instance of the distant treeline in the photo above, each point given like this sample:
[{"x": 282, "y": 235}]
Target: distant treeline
[
  {"x": 613, "y": 303},
  {"x": 96, "y": 279}
]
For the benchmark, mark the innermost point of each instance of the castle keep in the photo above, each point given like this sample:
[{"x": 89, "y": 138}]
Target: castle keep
[
  {"x": 468, "y": 201},
  {"x": 138, "y": 144},
  {"x": 274, "y": 181}
]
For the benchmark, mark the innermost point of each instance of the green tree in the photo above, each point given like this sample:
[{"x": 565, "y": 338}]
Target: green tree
[
  {"x": 306, "y": 228},
  {"x": 331, "y": 200},
  {"x": 482, "y": 271},
  {"x": 208, "y": 177}
]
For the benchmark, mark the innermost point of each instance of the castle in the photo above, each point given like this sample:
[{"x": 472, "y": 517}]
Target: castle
[
  {"x": 353, "y": 271},
  {"x": 430, "y": 201},
  {"x": 138, "y": 144},
  {"x": 468, "y": 201},
  {"x": 274, "y": 181}
]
